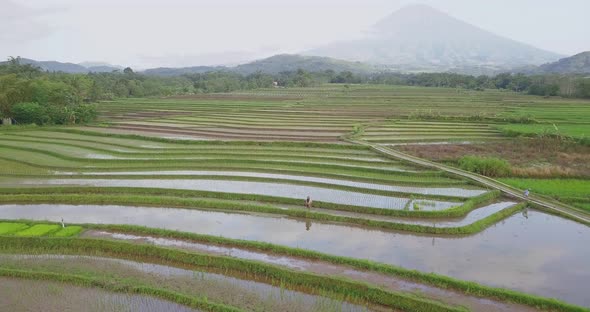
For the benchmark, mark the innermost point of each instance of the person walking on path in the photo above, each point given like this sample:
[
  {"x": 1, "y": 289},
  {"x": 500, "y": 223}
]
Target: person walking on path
[{"x": 526, "y": 193}]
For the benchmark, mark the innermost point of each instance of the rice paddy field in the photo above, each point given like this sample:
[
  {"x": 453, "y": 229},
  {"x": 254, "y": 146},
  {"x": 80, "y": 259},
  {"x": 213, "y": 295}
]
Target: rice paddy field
[{"x": 197, "y": 203}]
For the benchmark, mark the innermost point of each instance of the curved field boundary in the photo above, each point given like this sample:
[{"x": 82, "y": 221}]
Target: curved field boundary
[
  {"x": 197, "y": 204},
  {"x": 560, "y": 208},
  {"x": 187, "y": 142},
  {"x": 89, "y": 282},
  {"x": 333, "y": 186},
  {"x": 162, "y": 196},
  {"x": 346, "y": 289},
  {"x": 253, "y": 151},
  {"x": 471, "y": 288},
  {"x": 342, "y": 165}
]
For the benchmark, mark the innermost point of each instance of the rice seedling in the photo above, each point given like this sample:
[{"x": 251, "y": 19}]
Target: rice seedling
[
  {"x": 8, "y": 227},
  {"x": 38, "y": 230}
]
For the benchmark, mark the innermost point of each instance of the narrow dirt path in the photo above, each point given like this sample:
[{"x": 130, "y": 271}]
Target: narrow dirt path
[{"x": 489, "y": 182}]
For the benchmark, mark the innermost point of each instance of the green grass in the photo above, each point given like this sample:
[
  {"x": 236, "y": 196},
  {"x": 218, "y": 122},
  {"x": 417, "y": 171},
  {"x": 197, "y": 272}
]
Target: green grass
[
  {"x": 38, "y": 230},
  {"x": 571, "y": 130},
  {"x": 553, "y": 187},
  {"x": 8, "y": 228},
  {"x": 573, "y": 191}
]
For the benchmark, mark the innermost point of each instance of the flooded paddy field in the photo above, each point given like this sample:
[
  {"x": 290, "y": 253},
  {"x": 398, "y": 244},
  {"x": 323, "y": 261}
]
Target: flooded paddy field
[
  {"x": 34, "y": 295},
  {"x": 319, "y": 267},
  {"x": 541, "y": 253},
  {"x": 261, "y": 153},
  {"x": 259, "y": 188},
  {"x": 240, "y": 293},
  {"x": 449, "y": 191}
]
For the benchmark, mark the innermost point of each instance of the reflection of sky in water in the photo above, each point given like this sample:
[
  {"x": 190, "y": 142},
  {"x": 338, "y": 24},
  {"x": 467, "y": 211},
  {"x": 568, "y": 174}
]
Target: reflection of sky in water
[
  {"x": 54, "y": 296},
  {"x": 449, "y": 191},
  {"x": 264, "y": 291},
  {"x": 544, "y": 254},
  {"x": 261, "y": 188}
]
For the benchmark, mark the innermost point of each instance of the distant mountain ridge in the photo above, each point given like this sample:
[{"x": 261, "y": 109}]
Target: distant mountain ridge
[
  {"x": 71, "y": 68},
  {"x": 576, "y": 64},
  {"x": 274, "y": 65},
  {"x": 419, "y": 37}
]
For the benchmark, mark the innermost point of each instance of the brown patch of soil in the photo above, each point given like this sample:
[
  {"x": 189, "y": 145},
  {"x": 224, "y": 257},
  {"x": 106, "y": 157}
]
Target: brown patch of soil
[{"x": 530, "y": 157}]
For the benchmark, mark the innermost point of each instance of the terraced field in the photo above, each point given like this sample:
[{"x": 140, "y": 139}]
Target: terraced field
[
  {"x": 198, "y": 203},
  {"x": 404, "y": 132}
]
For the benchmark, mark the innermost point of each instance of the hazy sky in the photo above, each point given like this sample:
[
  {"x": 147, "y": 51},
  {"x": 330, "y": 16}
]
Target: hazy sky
[{"x": 150, "y": 33}]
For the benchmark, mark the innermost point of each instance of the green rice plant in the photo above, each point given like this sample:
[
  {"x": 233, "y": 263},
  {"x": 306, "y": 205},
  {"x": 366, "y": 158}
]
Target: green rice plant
[
  {"x": 38, "y": 230},
  {"x": 192, "y": 142},
  {"x": 190, "y": 203},
  {"x": 428, "y": 278},
  {"x": 178, "y": 198},
  {"x": 86, "y": 281},
  {"x": 572, "y": 191},
  {"x": 353, "y": 291},
  {"x": 9, "y": 227},
  {"x": 68, "y": 231}
]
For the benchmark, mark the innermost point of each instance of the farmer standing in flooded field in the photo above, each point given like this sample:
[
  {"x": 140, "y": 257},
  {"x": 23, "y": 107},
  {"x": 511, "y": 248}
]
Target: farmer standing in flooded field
[{"x": 308, "y": 202}]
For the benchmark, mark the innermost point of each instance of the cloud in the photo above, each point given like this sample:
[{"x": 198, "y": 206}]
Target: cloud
[{"x": 21, "y": 24}]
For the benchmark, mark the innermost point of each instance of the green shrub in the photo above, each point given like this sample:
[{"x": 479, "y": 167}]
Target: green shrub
[
  {"x": 29, "y": 113},
  {"x": 488, "y": 166}
]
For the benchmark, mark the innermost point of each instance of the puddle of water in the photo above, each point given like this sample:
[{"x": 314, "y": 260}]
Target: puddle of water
[
  {"x": 264, "y": 291},
  {"x": 446, "y": 191},
  {"x": 100, "y": 156},
  {"x": 35, "y": 295},
  {"x": 259, "y": 188},
  {"x": 537, "y": 253}
]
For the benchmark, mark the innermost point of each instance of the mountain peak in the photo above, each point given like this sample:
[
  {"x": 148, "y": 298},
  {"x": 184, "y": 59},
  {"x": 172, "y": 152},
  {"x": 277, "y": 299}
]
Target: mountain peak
[{"x": 419, "y": 37}]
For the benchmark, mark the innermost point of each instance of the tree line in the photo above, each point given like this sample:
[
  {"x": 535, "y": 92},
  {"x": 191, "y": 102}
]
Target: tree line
[{"x": 30, "y": 95}]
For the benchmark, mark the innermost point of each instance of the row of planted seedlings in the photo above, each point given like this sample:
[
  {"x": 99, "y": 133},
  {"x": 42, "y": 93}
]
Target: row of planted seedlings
[
  {"x": 59, "y": 161},
  {"x": 241, "y": 292},
  {"x": 38, "y": 229},
  {"x": 336, "y": 288},
  {"x": 205, "y": 200},
  {"x": 86, "y": 155},
  {"x": 116, "y": 150},
  {"x": 140, "y": 143}
]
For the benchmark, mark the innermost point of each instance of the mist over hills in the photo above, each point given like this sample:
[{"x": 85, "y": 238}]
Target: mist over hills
[
  {"x": 81, "y": 68},
  {"x": 576, "y": 64},
  {"x": 274, "y": 65},
  {"x": 416, "y": 38},
  {"x": 420, "y": 38}
]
